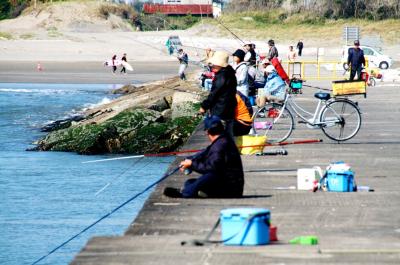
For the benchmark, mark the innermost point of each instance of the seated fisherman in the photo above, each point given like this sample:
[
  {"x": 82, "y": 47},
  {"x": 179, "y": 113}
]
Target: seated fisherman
[
  {"x": 220, "y": 165},
  {"x": 242, "y": 123},
  {"x": 274, "y": 89}
]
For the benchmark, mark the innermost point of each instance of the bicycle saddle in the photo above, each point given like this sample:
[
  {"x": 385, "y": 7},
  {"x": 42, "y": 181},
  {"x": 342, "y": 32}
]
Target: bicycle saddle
[{"x": 322, "y": 96}]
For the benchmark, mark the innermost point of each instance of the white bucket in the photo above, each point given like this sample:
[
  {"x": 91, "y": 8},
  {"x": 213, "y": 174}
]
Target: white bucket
[{"x": 307, "y": 178}]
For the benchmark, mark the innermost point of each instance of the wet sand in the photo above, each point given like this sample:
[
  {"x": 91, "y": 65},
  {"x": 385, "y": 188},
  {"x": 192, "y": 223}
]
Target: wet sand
[{"x": 85, "y": 72}]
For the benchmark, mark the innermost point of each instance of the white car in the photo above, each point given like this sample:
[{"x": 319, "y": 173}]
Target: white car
[{"x": 374, "y": 57}]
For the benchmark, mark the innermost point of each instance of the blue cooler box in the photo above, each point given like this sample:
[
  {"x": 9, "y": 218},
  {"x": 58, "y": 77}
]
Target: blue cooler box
[
  {"x": 245, "y": 226},
  {"x": 341, "y": 181}
]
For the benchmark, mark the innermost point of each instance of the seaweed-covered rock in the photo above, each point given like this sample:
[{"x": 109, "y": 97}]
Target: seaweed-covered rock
[{"x": 131, "y": 131}]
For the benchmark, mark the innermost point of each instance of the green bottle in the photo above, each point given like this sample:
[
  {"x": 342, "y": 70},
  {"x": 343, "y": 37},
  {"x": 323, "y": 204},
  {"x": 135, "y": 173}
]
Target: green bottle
[{"x": 304, "y": 240}]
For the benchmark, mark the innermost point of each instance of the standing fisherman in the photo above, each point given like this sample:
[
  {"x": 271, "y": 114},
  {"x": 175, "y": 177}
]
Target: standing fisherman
[
  {"x": 183, "y": 63},
  {"x": 221, "y": 101},
  {"x": 355, "y": 60},
  {"x": 273, "y": 51},
  {"x": 241, "y": 70}
]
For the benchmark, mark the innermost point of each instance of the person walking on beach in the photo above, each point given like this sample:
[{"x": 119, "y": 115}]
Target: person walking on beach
[
  {"x": 113, "y": 63},
  {"x": 183, "y": 63},
  {"x": 241, "y": 70},
  {"x": 273, "y": 51},
  {"x": 124, "y": 60},
  {"x": 356, "y": 60},
  {"x": 291, "y": 54},
  {"x": 220, "y": 165},
  {"x": 300, "y": 47},
  {"x": 221, "y": 100}
]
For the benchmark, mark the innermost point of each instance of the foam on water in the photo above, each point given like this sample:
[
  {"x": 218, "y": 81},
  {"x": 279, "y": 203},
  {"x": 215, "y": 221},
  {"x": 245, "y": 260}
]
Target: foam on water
[{"x": 46, "y": 197}]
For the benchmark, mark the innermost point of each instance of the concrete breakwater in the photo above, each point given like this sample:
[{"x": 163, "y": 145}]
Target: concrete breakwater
[
  {"x": 157, "y": 117},
  {"x": 352, "y": 227}
]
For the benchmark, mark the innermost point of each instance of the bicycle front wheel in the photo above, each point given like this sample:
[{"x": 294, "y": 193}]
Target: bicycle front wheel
[
  {"x": 273, "y": 121},
  {"x": 340, "y": 120}
]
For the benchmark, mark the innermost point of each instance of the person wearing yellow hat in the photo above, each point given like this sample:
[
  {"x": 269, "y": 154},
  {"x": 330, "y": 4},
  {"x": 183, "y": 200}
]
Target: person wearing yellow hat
[{"x": 221, "y": 101}]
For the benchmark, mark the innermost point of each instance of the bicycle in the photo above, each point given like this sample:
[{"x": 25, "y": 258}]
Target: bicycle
[{"x": 338, "y": 118}]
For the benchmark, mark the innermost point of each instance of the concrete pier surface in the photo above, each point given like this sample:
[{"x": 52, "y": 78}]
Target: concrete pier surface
[{"x": 353, "y": 228}]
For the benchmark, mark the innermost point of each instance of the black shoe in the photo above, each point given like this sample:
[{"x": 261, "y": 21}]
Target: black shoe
[{"x": 172, "y": 192}]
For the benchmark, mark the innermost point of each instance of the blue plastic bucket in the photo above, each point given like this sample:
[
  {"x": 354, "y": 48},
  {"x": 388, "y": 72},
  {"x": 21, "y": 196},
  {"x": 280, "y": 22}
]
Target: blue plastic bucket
[{"x": 245, "y": 226}]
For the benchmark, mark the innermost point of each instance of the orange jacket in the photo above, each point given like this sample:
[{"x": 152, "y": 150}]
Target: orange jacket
[{"x": 241, "y": 111}]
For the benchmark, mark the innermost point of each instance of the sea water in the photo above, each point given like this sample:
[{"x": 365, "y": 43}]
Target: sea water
[{"x": 47, "y": 197}]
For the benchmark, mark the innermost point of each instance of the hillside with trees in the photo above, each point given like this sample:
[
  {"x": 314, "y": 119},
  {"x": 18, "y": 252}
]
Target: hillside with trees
[{"x": 329, "y": 9}]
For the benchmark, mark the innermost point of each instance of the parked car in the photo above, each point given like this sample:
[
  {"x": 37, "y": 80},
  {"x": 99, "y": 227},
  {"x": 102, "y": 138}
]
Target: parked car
[{"x": 374, "y": 57}]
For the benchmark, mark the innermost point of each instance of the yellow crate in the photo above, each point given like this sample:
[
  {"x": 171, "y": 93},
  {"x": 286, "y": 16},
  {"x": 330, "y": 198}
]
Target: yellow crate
[
  {"x": 250, "y": 144},
  {"x": 345, "y": 87}
]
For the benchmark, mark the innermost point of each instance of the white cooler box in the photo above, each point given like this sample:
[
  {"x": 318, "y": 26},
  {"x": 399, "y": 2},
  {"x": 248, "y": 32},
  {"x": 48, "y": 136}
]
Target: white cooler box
[{"x": 307, "y": 177}]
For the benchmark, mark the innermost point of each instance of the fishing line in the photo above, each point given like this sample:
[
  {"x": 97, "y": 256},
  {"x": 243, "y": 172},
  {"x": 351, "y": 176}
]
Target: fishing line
[
  {"x": 119, "y": 175},
  {"x": 166, "y": 175}
]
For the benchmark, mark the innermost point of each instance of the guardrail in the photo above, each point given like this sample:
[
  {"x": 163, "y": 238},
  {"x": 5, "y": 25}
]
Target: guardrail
[{"x": 316, "y": 70}]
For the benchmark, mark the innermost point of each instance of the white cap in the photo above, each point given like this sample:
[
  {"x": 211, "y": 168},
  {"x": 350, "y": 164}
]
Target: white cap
[{"x": 269, "y": 69}]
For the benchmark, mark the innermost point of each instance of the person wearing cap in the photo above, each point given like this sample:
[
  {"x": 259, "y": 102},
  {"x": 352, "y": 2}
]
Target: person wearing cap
[
  {"x": 241, "y": 70},
  {"x": 355, "y": 60},
  {"x": 273, "y": 51},
  {"x": 221, "y": 100},
  {"x": 183, "y": 63},
  {"x": 220, "y": 165},
  {"x": 274, "y": 89}
]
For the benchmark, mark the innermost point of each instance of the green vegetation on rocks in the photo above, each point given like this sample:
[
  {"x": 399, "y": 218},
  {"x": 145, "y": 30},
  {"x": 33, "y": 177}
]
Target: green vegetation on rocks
[{"x": 131, "y": 131}]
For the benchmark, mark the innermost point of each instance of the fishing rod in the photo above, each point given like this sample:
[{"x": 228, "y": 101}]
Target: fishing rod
[
  {"x": 174, "y": 153},
  {"x": 166, "y": 175},
  {"x": 236, "y": 36}
]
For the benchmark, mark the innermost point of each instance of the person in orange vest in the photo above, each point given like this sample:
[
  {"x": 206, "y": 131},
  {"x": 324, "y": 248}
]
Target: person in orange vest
[{"x": 242, "y": 123}]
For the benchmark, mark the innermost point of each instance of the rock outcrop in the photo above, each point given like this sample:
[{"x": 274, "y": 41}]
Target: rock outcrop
[{"x": 158, "y": 119}]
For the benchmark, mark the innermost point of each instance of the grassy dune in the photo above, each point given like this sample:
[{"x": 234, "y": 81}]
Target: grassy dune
[{"x": 276, "y": 25}]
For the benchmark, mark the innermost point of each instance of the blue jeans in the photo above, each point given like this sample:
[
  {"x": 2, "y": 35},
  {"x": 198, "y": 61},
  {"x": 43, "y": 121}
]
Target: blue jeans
[{"x": 208, "y": 84}]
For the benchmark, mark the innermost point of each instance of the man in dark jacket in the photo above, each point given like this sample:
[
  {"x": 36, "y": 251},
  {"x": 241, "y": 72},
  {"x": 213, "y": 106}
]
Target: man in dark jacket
[
  {"x": 300, "y": 46},
  {"x": 273, "y": 51},
  {"x": 220, "y": 165},
  {"x": 221, "y": 101},
  {"x": 355, "y": 60}
]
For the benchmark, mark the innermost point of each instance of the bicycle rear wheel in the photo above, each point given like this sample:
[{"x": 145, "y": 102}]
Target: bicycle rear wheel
[
  {"x": 273, "y": 121},
  {"x": 340, "y": 120}
]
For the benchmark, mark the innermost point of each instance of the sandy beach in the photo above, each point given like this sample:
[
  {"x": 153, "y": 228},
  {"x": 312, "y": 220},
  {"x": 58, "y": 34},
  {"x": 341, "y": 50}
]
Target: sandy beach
[{"x": 83, "y": 72}]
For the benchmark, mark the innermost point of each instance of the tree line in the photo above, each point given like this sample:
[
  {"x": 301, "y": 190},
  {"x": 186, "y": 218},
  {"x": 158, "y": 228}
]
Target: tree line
[{"x": 330, "y": 9}]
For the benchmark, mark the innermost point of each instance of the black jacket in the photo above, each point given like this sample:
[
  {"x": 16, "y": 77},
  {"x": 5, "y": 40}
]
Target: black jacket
[
  {"x": 356, "y": 58},
  {"x": 222, "y": 99},
  {"x": 223, "y": 159}
]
